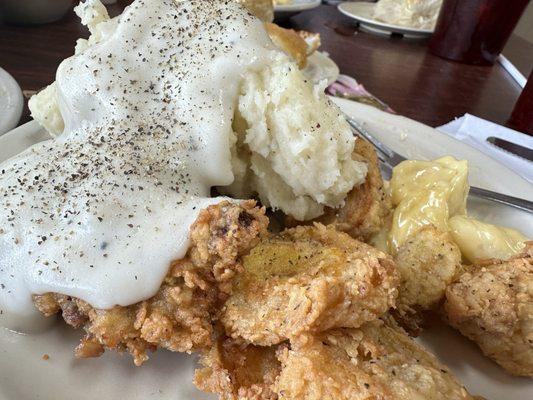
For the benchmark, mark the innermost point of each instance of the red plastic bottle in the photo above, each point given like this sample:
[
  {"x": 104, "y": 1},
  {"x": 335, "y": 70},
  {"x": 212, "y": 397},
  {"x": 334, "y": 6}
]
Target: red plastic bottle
[
  {"x": 475, "y": 31},
  {"x": 522, "y": 116}
]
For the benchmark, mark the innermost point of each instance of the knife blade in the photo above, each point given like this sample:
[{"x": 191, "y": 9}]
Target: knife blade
[{"x": 512, "y": 148}]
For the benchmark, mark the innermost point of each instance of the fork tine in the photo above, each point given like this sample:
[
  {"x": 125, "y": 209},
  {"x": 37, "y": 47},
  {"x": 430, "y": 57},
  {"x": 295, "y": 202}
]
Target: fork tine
[
  {"x": 388, "y": 155},
  {"x": 366, "y": 135},
  {"x": 383, "y": 157},
  {"x": 357, "y": 130}
]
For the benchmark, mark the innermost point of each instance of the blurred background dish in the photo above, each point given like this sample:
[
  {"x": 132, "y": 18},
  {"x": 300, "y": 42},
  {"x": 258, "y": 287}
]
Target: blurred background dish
[
  {"x": 421, "y": 14},
  {"x": 29, "y": 12},
  {"x": 11, "y": 102},
  {"x": 284, "y": 9},
  {"x": 364, "y": 14}
]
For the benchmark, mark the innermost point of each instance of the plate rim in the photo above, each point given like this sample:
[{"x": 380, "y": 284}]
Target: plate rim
[
  {"x": 297, "y": 7},
  {"x": 344, "y": 9}
]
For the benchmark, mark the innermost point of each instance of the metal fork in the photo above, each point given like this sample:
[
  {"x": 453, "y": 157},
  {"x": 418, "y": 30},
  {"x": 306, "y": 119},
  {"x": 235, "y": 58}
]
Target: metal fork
[{"x": 389, "y": 159}]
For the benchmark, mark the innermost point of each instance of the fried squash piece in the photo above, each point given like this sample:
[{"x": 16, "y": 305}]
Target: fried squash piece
[
  {"x": 427, "y": 263},
  {"x": 308, "y": 279},
  {"x": 377, "y": 361},
  {"x": 367, "y": 206},
  {"x": 492, "y": 304},
  {"x": 236, "y": 370},
  {"x": 179, "y": 317}
]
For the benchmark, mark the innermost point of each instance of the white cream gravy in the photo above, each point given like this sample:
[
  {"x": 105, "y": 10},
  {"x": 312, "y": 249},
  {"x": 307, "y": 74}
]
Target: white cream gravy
[{"x": 99, "y": 212}]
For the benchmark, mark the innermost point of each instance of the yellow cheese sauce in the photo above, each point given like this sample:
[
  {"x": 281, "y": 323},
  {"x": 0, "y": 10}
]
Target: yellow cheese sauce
[{"x": 435, "y": 193}]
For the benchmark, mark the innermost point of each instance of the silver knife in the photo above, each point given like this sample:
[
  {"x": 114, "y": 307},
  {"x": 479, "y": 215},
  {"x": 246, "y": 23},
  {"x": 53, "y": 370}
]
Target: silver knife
[{"x": 512, "y": 148}]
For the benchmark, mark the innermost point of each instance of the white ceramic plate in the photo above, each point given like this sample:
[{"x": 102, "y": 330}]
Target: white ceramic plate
[
  {"x": 282, "y": 11},
  {"x": 320, "y": 67},
  {"x": 25, "y": 375},
  {"x": 363, "y": 13},
  {"x": 11, "y": 102}
]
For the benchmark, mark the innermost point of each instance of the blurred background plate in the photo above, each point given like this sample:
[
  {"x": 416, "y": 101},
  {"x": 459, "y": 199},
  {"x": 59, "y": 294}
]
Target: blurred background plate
[
  {"x": 363, "y": 13},
  {"x": 11, "y": 102},
  {"x": 284, "y": 11}
]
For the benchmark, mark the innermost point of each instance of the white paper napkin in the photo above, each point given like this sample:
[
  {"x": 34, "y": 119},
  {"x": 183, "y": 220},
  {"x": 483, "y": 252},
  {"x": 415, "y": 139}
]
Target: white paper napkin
[{"x": 474, "y": 131}]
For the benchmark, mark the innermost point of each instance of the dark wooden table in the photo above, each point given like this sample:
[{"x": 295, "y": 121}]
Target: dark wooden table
[{"x": 400, "y": 72}]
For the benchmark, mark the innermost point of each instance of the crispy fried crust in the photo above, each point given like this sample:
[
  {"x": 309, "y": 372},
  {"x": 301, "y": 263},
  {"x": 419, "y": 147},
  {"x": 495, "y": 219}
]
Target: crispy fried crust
[
  {"x": 236, "y": 370},
  {"x": 290, "y": 42},
  {"x": 179, "y": 316},
  {"x": 222, "y": 234},
  {"x": 427, "y": 263},
  {"x": 378, "y": 361},
  {"x": 375, "y": 362},
  {"x": 367, "y": 205},
  {"x": 308, "y": 279},
  {"x": 492, "y": 304}
]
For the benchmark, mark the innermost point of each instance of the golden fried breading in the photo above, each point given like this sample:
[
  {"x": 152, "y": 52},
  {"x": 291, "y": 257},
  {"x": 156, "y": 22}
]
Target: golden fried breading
[
  {"x": 427, "y": 263},
  {"x": 236, "y": 370},
  {"x": 222, "y": 234},
  {"x": 368, "y": 205},
  {"x": 179, "y": 316},
  {"x": 308, "y": 279},
  {"x": 492, "y": 304},
  {"x": 290, "y": 42},
  {"x": 377, "y": 361}
]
